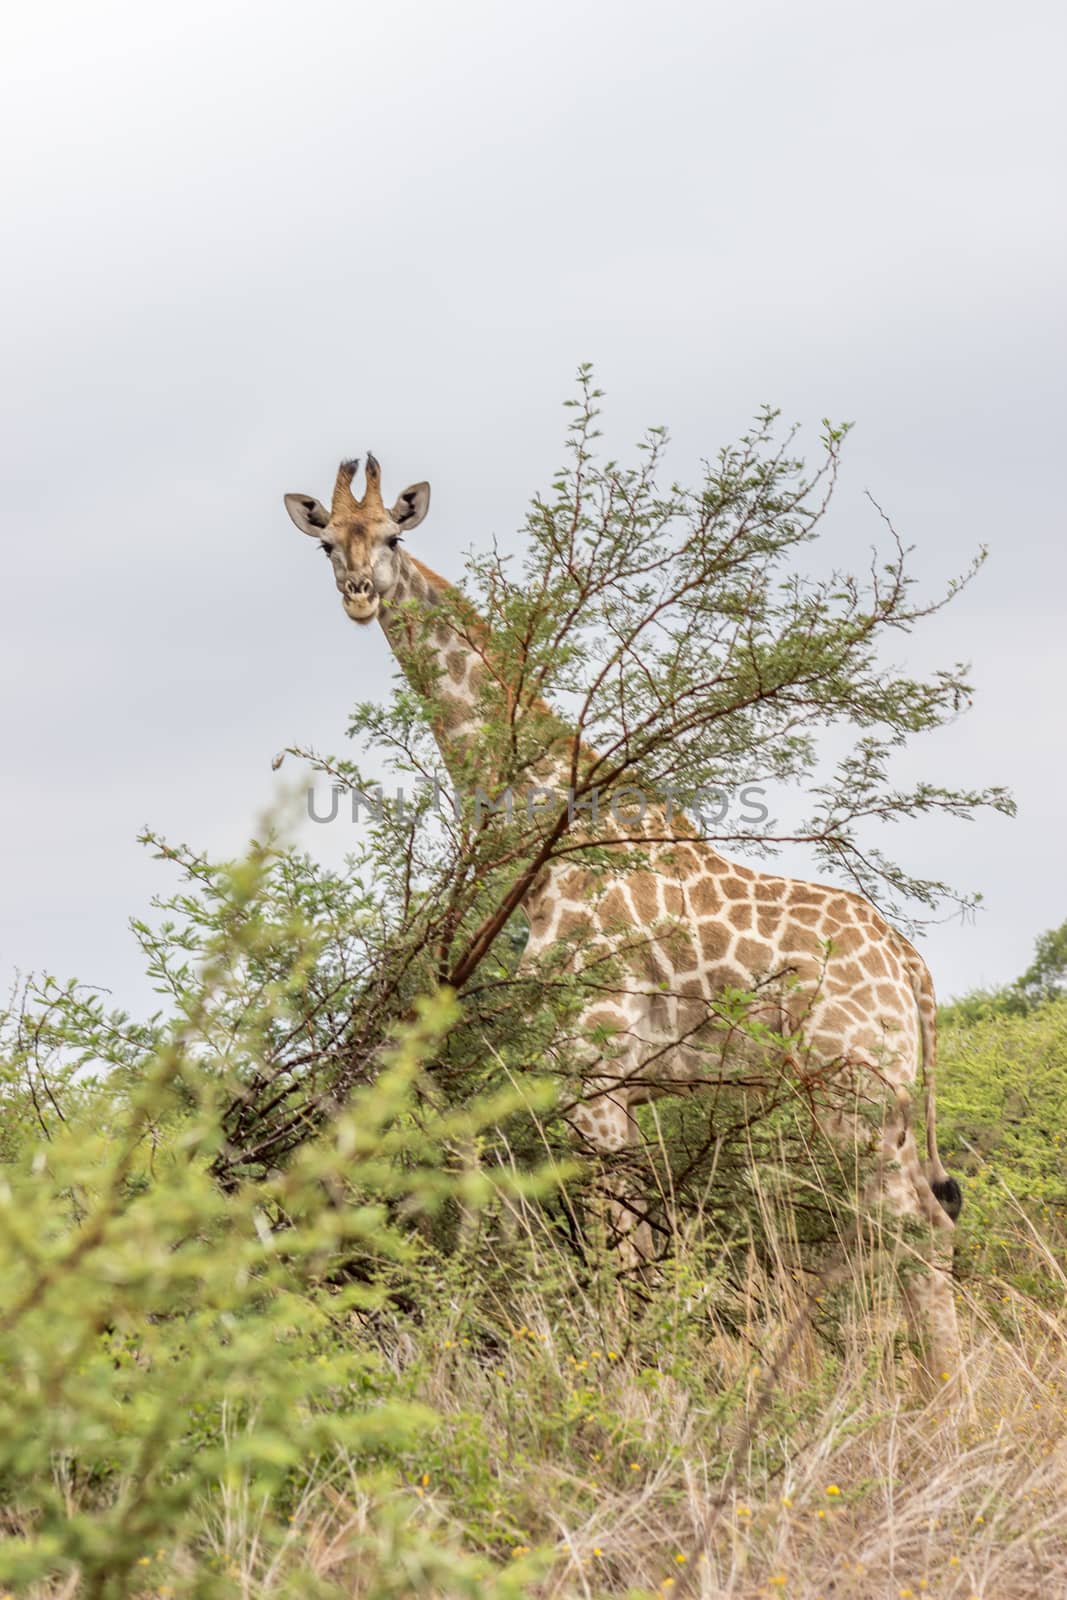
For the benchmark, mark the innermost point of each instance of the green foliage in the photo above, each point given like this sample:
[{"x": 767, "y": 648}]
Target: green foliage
[
  {"x": 1002, "y": 1085},
  {"x": 1002, "y": 1089},
  {"x": 1046, "y": 976},
  {"x": 162, "y": 1335}
]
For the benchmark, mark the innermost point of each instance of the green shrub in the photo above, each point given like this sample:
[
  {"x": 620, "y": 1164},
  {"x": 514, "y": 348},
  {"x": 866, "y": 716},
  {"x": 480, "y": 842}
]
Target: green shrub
[
  {"x": 162, "y": 1336},
  {"x": 1002, "y": 1090}
]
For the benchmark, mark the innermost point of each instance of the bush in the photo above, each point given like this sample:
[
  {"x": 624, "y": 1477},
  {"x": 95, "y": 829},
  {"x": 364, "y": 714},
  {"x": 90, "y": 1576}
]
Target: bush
[
  {"x": 162, "y": 1335},
  {"x": 1002, "y": 1089}
]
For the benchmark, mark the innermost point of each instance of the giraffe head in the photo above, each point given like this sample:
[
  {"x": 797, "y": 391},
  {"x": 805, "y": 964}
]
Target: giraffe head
[{"x": 361, "y": 537}]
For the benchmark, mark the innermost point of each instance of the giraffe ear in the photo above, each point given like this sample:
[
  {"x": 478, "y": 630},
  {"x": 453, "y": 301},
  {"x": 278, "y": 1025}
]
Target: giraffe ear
[
  {"x": 309, "y": 516},
  {"x": 412, "y": 506}
]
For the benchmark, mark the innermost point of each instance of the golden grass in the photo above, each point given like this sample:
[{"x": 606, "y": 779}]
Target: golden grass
[
  {"x": 873, "y": 1496},
  {"x": 594, "y": 1448}
]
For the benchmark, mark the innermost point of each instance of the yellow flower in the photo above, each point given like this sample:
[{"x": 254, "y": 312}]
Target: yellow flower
[
  {"x": 953, "y": 1561},
  {"x": 425, "y": 1479},
  {"x": 635, "y": 1466},
  {"x": 831, "y": 1488},
  {"x": 521, "y": 1550},
  {"x": 744, "y": 1511},
  {"x": 597, "y": 1550},
  {"x": 786, "y": 1501},
  {"x": 144, "y": 1561},
  {"x": 680, "y": 1558},
  {"x": 820, "y": 1513},
  {"x": 779, "y": 1578}
]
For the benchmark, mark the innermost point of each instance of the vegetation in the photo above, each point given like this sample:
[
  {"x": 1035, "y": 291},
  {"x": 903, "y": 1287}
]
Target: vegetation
[{"x": 303, "y": 1291}]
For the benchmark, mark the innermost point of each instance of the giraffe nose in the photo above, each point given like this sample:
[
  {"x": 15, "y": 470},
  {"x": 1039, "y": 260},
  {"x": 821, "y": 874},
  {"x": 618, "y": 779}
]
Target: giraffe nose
[{"x": 358, "y": 588}]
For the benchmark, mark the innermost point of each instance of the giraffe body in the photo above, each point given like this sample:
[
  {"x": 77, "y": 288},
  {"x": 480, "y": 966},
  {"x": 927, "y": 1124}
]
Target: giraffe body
[
  {"x": 834, "y": 988},
  {"x": 841, "y": 992}
]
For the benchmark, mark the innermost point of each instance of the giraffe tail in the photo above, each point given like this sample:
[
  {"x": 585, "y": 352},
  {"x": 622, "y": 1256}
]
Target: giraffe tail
[{"x": 945, "y": 1187}]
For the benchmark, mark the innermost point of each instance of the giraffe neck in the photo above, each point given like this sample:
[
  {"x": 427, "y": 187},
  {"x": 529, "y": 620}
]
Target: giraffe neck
[{"x": 447, "y": 662}]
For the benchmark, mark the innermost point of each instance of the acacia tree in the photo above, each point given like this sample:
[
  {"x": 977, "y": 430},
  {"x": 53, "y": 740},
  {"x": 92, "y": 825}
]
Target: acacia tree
[{"x": 650, "y": 637}]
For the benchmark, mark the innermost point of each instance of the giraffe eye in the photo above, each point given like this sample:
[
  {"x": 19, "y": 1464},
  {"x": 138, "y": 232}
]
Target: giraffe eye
[
  {"x": 325, "y": 545},
  {"x": 393, "y": 540}
]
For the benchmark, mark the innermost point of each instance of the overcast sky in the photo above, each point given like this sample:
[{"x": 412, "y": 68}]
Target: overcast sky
[{"x": 243, "y": 241}]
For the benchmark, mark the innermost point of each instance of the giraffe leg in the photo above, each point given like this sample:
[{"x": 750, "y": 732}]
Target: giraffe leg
[
  {"x": 604, "y": 1122},
  {"x": 931, "y": 1309},
  {"x": 607, "y": 1130},
  {"x": 626, "y": 1205},
  {"x": 924, "y": 1269}
]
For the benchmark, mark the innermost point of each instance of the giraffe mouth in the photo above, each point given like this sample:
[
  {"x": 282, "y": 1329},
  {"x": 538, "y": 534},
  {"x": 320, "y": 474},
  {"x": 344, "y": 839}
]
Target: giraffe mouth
[{"x": 362, "y": 610}]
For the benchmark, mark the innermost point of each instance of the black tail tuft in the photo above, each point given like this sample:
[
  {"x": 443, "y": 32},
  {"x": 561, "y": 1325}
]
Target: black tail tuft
[{"x": 948, "y": 1192}]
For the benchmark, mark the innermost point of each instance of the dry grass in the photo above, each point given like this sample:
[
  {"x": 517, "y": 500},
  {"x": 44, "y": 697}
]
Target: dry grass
[
  {"x": 595, "y": 1447},
  {"x": 874, "y": 1498},
  {"x": 868, "y": 1495},
  {"x": 861, "y": 1493},
  {"x": 580, "y": 1467}
]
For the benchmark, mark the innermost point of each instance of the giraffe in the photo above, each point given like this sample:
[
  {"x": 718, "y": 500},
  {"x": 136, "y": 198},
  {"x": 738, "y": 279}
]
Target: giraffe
[{"x": 837, "y": 986}]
